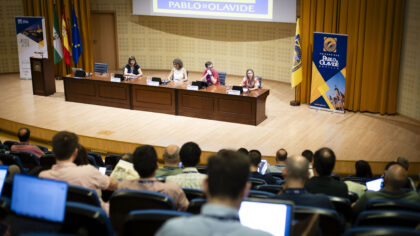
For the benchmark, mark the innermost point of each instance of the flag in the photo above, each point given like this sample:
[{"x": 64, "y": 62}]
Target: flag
[
  {"x": 58, "y": 46},
  {"x": 66, "y": 44},
  {"x": 76, "y": 42},
  {"x": 297, "y": 59}
]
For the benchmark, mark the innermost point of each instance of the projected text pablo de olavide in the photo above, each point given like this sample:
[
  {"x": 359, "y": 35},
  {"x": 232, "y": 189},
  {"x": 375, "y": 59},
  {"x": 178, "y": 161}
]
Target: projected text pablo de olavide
[{"x": 220, "y": 7}]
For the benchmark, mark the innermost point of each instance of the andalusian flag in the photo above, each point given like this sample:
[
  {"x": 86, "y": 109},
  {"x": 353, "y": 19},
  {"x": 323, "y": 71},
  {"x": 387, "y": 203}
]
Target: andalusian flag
[
  {"x": 66, "y": 44},
  {"x": 76, "y": 42},
  {"x": 297, "y": 59},
  {"x": 58, "y": 46}
]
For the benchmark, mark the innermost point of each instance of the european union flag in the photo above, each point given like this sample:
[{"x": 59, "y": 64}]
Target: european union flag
[{"x": 75, "y": 34}]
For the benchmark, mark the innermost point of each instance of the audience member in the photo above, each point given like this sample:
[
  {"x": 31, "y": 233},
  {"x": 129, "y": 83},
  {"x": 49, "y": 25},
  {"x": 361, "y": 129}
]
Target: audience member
[
  {"x": 190, "y": 177},
  {"x": 255, "y": 159},
  {"x": 281, "y": 156},
  {"x": 395, "y": 178},
  {"x": 146, "y": 163},
  {"x": 322, "y": 182},
  {"x": 128, "y": 157},
  {"x": 225, "y": 188},
  {"x": 24, "y": 134},
  {"x": 296, "y": 174},
  {"x": 65, "y": 149},
  {"x": 363, "y": 170},
  {"x": 404, "y": 162},
  {"x": 171, "y": 158},
  {"x": 309, "y": 155},
  {"x": 82, "y": 157},
  {"x": 243, "y": 151}
]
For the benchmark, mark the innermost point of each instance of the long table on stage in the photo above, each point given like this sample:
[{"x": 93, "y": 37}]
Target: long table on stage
[{"x": 212, "y": 102}]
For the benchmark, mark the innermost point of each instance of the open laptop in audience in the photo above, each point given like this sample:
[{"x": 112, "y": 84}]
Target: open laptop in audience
[
  {"x": 272, "y": 216},
  {"x": 3, "y": 175},
  {"x": 375, "y": 185},
  {"x": 39, "y": 205}
]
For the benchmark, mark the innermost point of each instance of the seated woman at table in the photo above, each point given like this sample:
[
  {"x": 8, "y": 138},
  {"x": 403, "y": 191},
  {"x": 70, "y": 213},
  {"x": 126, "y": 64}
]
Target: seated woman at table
[
  {"x": 178, "y": 73},
  {"x": 132, "y": 68},
  {"x": 250, "y": 81}
]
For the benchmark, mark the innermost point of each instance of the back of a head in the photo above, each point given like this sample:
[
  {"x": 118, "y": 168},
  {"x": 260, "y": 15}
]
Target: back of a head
[
  {"x": 255, "y": 157},
  {"x": 171, "y": 154},
  {"x": 190, "y": 154},
  {"x": 82, "y": 156},
  {"x": 228, "y": 173},
  {"x": 324, "y": 161},
  {"x": 396, "y": 176},
  {"x": 308, "y": 154},
  {"x": 363, "y": 169},
  {"x": 24, "y": 134},
  {"x": 297, "y": 168},
  {"x": 145, "y": 160},
  {"x": 127, "y": 157},
  {"x": 281, "y": 155},
  {"x": 64, "y": 143},
  {"x": 243, "y": 151},
  {"x": 404, "y": 162}
]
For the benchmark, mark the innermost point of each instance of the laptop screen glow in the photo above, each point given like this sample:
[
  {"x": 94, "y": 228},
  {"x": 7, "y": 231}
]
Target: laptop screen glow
[
  {"x": 39, "y": 198},
  {"x": 374, "y": 185},
  {"x": 274, "y": 218},
  {"x": 3, "y": 174}
]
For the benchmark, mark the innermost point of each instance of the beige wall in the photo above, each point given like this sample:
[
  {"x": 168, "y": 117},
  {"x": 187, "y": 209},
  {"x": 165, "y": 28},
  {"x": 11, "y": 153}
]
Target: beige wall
[
  {"x": 9, "y": 61},
  {"x": 408, "y": 103},
  {"x": 233, "y": 46}
]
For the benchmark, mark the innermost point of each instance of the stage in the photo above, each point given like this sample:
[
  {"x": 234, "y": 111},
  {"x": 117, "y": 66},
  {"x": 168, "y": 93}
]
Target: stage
[{"x": 352, "y": 135}]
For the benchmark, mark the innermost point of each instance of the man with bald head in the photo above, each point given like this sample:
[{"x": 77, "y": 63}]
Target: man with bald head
[
  {"x": 395, "y": 178},
  {"x": 296, "y": 173},
  {"x": 24, "y": 146},
  {"x": 281, "y": 157},
  {"x": 171, "y": 158}
]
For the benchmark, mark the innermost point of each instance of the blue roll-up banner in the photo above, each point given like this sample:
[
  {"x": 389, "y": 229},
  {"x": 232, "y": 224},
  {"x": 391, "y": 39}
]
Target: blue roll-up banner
[
  {"x": 31, "y": 42},
  {"x": 329, "y": 72}
]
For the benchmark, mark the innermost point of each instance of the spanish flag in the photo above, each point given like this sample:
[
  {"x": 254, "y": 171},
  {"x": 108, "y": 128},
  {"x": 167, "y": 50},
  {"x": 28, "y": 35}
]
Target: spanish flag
[
  {"x": 66, "y": 44},
  {"x": 297, "y": 59}
]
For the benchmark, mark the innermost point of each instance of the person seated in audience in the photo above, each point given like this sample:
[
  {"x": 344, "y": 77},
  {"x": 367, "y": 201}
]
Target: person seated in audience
[
  {"x": 171, "y": 158},
  {"x": 128, "y": 157},
  {"x": 24, "y": 146},
  {"x": 243, "y": 151},
  {"x": 190, "y": 177},
  {"x": 255, "y": 159},
  {"x": 296, "y": 174},
  {"x": 395, "y": 178},
  {"x": 250, "y": 81},
  {"x": 82, "y": 156},
  {"x": 404, "y": 162},
  {"x": 146, "y": 163},
  {"x": 309, "y": 155},
  {"x": 281, "y": 156},
  {"x": 65, "y": 149},
  {"x": 178, "y": 73},
  {"x": 227, "y": 184},
  {"x": 210, "y": 75},
  {"x": 322, "y": 182},
  {"x": 132, "y": 68}
]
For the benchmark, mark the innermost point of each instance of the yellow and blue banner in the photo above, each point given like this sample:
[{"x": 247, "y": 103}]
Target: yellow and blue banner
[
  {"x": 329, "y": 71},
  {"x": 297, "y": 59}
]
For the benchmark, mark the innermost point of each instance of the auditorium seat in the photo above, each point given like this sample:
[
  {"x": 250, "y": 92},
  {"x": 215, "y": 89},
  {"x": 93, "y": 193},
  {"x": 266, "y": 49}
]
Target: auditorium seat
[
  {"x": 86, "y": 220},
  {"x": 255, "y": 182},
  {"x": 98, "y": 159},
  {"x": 194, "y": 193},
  {"x": 276, "y": 174},
  {"x": 405, "y": 219},
  {"x": 111, "y": 160},
  {"x": 101, "y": 68},
  {"x": 353, "y": 197},
  {"x": 385, "y": 204},
  {"x": 47, "y": 161},
  {"x": 381, "y": 231},
  {"x": 148, "y": 222},
  {"x": 92, "y": 161},
  {"x": 195, "y": 205},
  {"x": 260, "y": 194},
  {"x": 28, "y": 160},
  {"x": 124, "y": 201},
  {"x": 222, "y": 78},
  {"x": 9, "y": 159},
  {"x": 259, "y": 80},
  {"x": 272, "y": 188},
  {"x": 342, "y": 206},
  {"x": 83, "y": 195},
  {"x": 202, "y": 169},
  {"x": 9, "y": 144},
  {"x": 359, "y": 180},
  {"x": 330, "y": 222}
]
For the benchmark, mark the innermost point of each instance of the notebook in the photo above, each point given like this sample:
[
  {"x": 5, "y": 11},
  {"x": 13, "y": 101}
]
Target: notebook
[
  {"x": 39, "y": 198},
  {"x": 374, "y": 185},
  {"x": 269, "y": 215},
  {"x": 3, "y": 175}
]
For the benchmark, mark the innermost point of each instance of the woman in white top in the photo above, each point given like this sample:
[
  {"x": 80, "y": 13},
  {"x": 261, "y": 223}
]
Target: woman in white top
[
  {"x": 178, "y": 73},
  {"x": 250, "y": 80}
]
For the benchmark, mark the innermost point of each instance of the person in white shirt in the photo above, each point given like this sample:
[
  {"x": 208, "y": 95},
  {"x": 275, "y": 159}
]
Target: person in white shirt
[{"x": 178, "y": 73}]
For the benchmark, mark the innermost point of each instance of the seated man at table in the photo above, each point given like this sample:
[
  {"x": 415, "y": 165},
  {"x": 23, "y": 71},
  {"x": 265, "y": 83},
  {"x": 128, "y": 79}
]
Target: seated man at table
[{"x": 210, "y": 75}]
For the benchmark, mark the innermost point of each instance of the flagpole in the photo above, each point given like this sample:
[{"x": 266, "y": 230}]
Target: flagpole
[{"x": 295, "y": 102}]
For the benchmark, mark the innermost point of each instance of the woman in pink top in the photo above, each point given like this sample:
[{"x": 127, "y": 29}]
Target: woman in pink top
[{"x": 250, "y": 80}]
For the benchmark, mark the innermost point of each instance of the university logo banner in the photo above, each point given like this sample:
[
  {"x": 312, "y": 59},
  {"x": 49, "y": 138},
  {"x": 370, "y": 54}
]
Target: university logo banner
[
  {"x": 31, "y": 42},
  {"x": 329, "y": 71}
]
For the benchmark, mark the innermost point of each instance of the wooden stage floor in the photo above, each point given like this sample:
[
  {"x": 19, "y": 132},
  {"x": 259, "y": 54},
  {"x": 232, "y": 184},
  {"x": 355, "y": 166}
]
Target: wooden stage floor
[{"x": 352, "y": 136}]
